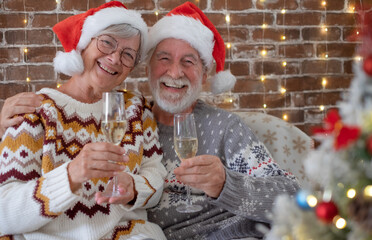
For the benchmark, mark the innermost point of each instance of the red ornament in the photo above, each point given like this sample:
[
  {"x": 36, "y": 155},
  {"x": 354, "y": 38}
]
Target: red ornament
[
  {"x": 326, "y": 211},
  {"x": 367, "y": 65}
]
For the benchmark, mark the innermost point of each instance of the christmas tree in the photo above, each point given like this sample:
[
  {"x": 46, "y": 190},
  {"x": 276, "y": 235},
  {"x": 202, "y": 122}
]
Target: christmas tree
[{"x": 337, "y": 204}]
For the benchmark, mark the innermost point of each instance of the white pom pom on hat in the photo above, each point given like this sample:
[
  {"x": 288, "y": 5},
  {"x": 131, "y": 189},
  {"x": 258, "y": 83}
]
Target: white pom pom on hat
[
  {"x": 187, "y": 22},
  {"x": 76, "y": 32}
]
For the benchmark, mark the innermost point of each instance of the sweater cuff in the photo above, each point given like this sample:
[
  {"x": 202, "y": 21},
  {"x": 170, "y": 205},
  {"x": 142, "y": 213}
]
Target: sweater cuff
[
  {"x": 144, "y": 192},
  {"x": 230, "y": 188},
  {"x": 56, "y": 188}
]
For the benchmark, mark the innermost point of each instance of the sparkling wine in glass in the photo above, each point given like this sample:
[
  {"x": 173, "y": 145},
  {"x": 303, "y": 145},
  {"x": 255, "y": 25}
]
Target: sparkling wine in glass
[
  {"x": 186, "y": 146},
  {"x": 113, "y": 125}
]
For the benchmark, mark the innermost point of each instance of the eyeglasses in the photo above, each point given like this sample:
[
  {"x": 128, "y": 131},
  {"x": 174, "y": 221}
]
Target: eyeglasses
[{"x": 108, "y": 45}]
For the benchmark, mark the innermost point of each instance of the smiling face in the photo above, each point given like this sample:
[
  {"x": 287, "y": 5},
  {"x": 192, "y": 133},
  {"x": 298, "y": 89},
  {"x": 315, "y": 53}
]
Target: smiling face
[
  {"x": 103, "y": 72},
  {"x": 176, "y": 75}
]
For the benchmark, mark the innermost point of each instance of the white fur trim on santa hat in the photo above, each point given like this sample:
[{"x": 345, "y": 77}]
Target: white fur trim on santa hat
[
  {"x": 110, "y": 16},
  {"x": 185, "y": 28},
  {"x": 223, "y": 81},
  {"x": 69, "y": 63}
]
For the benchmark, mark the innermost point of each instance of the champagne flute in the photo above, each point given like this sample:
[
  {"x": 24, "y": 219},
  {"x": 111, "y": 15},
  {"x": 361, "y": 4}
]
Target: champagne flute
[
  {"x": 113, "y": 126},
  {"x": 186, "y": 146}
]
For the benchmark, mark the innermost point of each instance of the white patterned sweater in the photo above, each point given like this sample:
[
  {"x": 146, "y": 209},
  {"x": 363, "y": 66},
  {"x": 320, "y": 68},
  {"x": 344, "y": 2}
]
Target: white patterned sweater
[
  {"x": 253, "y": 180},
  {"x": 35, "y": 197}
]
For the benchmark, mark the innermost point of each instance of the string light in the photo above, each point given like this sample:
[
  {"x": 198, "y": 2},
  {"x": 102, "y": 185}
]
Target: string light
[
  {"x": 28, "y": 79},
  {"x": 228, "y": 45},
  {"x": 25, "y": 21},
  {"x": 311, "y": 200},
  {"x": 339, "y": 222},
  {"x": 264, "y": 25},
  {"x": 351, "y": 193},
  {"x": 25, "y": 50},
  {"x": 358, "y": 58},
  {"x": 57, "y": 1},
  {"x": 283, "y": 37},
  {"x": 321, "y": 107},
  {"x": 156, "y": 13},
  {"x": 283, "y": 90},
  {"x": 284, "y": 64},
  {"x": 324, "y": 3},
  {"x": 227, "y": 18},
  {"x": 285, "y": 117},
  {"x": 59, "y": 85},
  {"x": 264, "y": 105},
  {"x": 264, "y": 52},
  {"x": 283, "y": 11},
  {"x": 263, "y": 78},
  {"x": 324, "y": 82},
  {"x": 368, "y": 191}
]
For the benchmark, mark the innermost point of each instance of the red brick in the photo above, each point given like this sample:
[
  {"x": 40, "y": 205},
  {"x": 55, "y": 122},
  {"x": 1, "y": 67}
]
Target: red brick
[
  {"x": 276, "y": 34},
  {"x": 321, "y": 66},
  {"x": 41, "y": 36},
  {"x": 318, "y": 34},
  {"x": 294, "y": 115},
  {"x": 240, "y": 68},
  {"x": 10, "y": 55},
  {"x": 231, "y": 5},
  {"x": 40, "y": 72},
  {"x": 237, "y": 34},
  {"x": 40, "y": 54},
  {"x": 300, "y": 19},
  {"x": 255, "y": 85},
  {"x": 322, "y": 98},
  {"x": 340, "y": 19},
  {"x": 139, "y": 71},
  {"x": 289, "y": 4},
  {"x": 317, "y": 5},
  {"x": 297, "y": 51},
  {"x": 168, "y": 5},
  {"x": 275, "y": 67},
  {"x": 45, "y": 20},
  {"x": 251, "y": 19},
  {"x": 241, "y": 51},
  {"x": 15, "y": 20},
  {"x": 341, "y": 50},
  {"x": 82, "y": 5},
  {"x": 140, "y": 5},
  {"x": 29, "y": 5},
  {"x": 11, "y": 89}
]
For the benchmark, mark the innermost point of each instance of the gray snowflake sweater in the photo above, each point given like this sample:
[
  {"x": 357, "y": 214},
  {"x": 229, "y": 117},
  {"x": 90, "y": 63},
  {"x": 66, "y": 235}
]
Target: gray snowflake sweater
[{"x": 253, "y": 180}]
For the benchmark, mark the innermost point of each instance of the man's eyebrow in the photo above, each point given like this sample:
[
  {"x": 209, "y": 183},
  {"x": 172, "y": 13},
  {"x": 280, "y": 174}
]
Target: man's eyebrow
[
  {"x": 193, "y": 56},
  {"x": 160, "y": 53}
]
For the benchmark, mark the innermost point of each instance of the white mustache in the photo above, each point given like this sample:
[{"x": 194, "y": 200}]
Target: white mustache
[{"x": 175, "y": 82}]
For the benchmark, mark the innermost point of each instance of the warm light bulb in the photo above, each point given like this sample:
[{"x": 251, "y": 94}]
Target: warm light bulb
[
  {"x": 358, "y": 58},
  {"x": 28, "y": 79},
  {"x": 351, "y": 193},
  {"x": 25, "y": 50},
  {"x": 25, "y": 21},
  {"x": 324, "y": 82},
  {"x": 283, "y": 90},
  {"x": 311, "y": 200},
  {"x": 351, "y": 9},
  {"x": 339, "y": 222},
  {"x": 325, "y": 55},
  {"x": 285, "y": 117},
  {"x": 283, "y": 37},
  {"x": 357, "y": 32},
  {"x": 284, "y": 64},
  {"x": 321, "y": 107},
  {"x": 262, "y": 78},
  {"x": 264, "y": 52},
  {"x": 57, "y": 1},
  {"x": 228, "y": 45},
  {"x": 156, "y": 13},
  {"x": 283, "y": 11},
  {"x": 264, "y": 106},
  {"x": 368, "y": 191},
  {"x": 227, "y": 18},
  {"x": 264, "y": 25},
  {"x": 59, "y": 85},
  {"x": 324, "y": 3}
]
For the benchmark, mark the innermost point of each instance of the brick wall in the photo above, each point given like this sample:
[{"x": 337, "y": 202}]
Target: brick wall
[{"x": 303, "y": 49}]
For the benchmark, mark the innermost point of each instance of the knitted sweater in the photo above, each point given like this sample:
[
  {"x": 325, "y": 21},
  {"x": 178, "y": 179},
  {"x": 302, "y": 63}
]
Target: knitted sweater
[
  {"x": 35, "y": 197},
  {"x": 253, "y": 180}
]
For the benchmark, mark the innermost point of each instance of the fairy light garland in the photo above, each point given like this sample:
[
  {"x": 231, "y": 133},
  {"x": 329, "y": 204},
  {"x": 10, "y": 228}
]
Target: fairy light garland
[
  {"x": 283, "y": 89},
  {"x": 25, "y": 49},
  {"x": 324, "y": 56},
  {"x": 263, "y": 55}
]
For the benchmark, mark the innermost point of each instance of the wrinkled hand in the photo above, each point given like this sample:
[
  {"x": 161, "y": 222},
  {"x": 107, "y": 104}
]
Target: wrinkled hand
[
  {"x": 18, "y": 104},
  {"x": 96, "y": 160},
  {"x": 204, "y": 172},
  {"x": 126, "y": 189}
]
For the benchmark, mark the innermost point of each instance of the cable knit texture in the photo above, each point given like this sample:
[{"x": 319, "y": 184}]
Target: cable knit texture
[
  {"x": 35, "y": 197},
  {"x": 253, "y": 180}
]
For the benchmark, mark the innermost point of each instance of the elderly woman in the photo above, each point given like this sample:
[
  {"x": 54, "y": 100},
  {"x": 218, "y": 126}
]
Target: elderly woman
[{"x": 55, "y": 163}]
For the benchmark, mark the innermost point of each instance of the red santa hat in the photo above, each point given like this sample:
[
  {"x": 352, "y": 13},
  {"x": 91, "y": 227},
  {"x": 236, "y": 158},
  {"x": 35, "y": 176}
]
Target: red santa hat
[
  {"x": 76, "y": 32},
  {"x": 187, "y": 22}
]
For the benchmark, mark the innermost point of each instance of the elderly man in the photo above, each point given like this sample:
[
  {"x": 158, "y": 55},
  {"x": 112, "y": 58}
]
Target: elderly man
[{"x": 233, "y": 177}]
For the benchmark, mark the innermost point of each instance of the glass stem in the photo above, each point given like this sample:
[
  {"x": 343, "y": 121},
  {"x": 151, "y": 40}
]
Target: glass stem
[
  {"x": 188, "y": 198},
  {"x": 115, "y": 185}
]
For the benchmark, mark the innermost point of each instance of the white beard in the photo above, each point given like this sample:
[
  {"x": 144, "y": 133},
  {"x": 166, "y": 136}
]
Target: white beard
[{"x": 174, "y": 102}]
